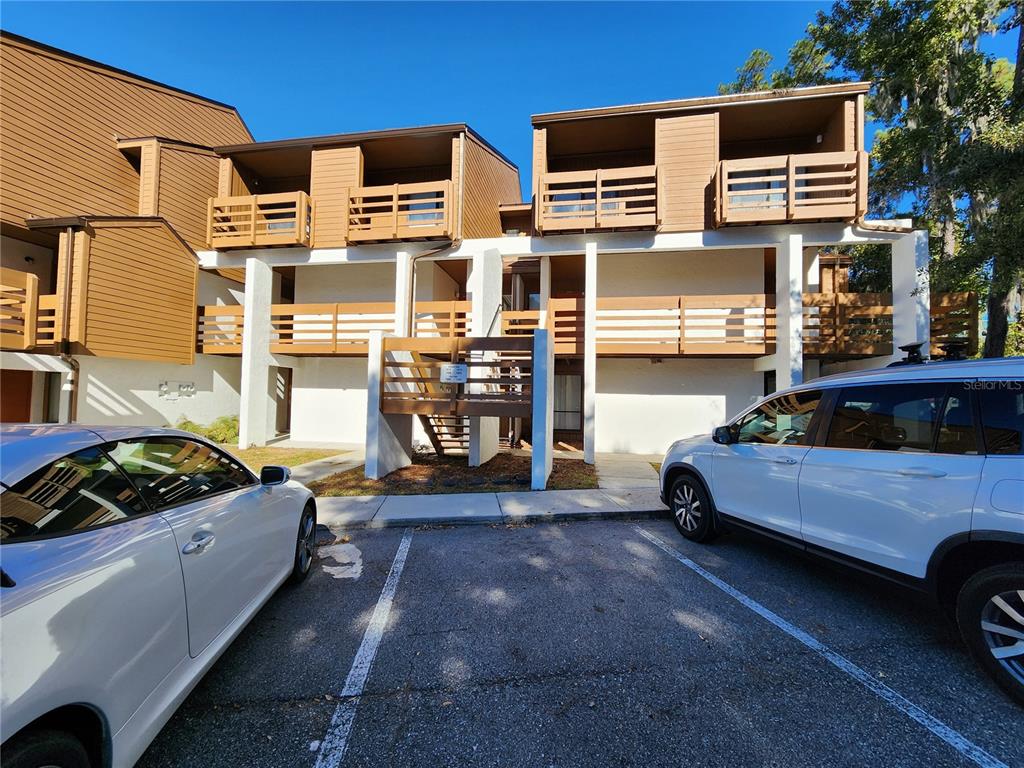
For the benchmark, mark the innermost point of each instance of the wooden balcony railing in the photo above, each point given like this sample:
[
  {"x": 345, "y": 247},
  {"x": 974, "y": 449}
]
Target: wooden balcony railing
[
  {"x": 219, "y": 330},
  {"x": 328, "y": 329},
  {"x": 400, "y": 212},
  {"x": 608, "y": 198},
  {"x": 565, "y": 319},
  {"x": 259, "y": 220},
  {"x": 816, "y": 186},
  {"x": 28, "y": 320},
  {"x": 441, "y": 319},
  {"x": 860, "y": 324}
]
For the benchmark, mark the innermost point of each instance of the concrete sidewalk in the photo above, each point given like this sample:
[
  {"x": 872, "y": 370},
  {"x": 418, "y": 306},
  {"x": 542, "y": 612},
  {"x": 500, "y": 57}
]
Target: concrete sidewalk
[{"x": 341, "y": 512}]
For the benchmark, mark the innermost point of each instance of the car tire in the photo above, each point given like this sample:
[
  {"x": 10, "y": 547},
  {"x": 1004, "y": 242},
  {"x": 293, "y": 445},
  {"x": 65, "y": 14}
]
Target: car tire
[
  {"x": 305, "y": 546},
  {"x": 36, "y": 749},
  {"x": 691, "y": 509},
  {"x": 994, "y": 599}
]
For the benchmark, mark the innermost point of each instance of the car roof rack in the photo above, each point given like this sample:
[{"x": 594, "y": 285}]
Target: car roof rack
[{"x": 914, "y": 356}]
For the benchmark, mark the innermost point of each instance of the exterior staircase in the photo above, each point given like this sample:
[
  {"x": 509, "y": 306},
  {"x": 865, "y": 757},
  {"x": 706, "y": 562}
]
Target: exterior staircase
[{"x": 447, "y": 434}]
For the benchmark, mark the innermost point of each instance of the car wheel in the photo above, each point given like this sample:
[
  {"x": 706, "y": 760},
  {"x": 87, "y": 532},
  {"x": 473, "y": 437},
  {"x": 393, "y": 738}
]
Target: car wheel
[
  {"x": 990, "y": 614},
  {"x": 43, "y": 749},
  {"x": 691, "y": 509},
  {"x": 305, "y": 546}
]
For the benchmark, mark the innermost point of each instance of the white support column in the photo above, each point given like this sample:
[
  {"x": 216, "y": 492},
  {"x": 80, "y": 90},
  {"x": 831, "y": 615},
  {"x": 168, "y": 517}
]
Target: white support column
[
  {"x": 789, "y": 288},
  {"x": 545, "y": 290},
  {"x": 911, "y": 311},
  {"x": 542, "y": 459},
  {"x": 254, "y": 427},
  {"x": 388, "y": 436},
  {"x": 483, "y": 284},
  {"x": 403, "y": 293},
  {"x": 589, "y": 351}
]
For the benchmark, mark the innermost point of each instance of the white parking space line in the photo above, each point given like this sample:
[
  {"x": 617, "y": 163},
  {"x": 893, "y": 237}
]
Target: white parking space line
[
  {"x": 960, "y": 743},
  {"x": 334, "y": 744}
]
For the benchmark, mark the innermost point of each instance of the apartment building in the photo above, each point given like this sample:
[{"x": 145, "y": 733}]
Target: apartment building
[
  {"x": 679, "y": 257},
  {"x": 104, "y": 186},
  {"x": 674, "y": 252}
]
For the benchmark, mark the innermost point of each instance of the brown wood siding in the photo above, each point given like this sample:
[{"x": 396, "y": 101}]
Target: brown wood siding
[
  {"x": 140, "y": 292},
  {"x": 540, "y": 159},
  {"x": 149, "y": 176},
  {"x": 840, "y": 134},
  {"x": 488, "y": 182},
  {"x": 60, "y": 118},
  {"x": 457, "y": 190},
  {"x": 230, "y": 182},
  {"x": 188, "y": 179},
  {"x": 686, "y": 153},
  {"x": 332, "y": 173}
]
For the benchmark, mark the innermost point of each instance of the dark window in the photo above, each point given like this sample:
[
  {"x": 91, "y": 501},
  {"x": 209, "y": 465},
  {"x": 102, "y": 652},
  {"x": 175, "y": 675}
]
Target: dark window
[
  {"x": 956, "y": 429},
  {"x": 83, "y": 490},
  {"x": 887, "y": 417},
  {"x": 173, "y": 470},
  {"x": 780, "y": 421},
  {"x": 1002, "y": 413}
]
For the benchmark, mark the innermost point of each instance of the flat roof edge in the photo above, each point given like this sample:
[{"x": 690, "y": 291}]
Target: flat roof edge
[{"x": 704, "y": 102}]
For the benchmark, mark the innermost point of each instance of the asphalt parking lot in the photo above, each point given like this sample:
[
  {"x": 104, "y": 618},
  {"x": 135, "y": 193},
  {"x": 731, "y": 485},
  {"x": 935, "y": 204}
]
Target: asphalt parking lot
[{"x": 589, "y": 644}]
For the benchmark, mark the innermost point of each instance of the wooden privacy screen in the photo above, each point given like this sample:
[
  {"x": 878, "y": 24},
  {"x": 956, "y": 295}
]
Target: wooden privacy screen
[{"x": 500, "y": 380}]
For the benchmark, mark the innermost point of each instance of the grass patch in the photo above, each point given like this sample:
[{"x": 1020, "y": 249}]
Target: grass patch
[
  {"x": 451, "y": 474},
  {"x": 657, "y": 466},
  {"x": 285, "y": 457}
]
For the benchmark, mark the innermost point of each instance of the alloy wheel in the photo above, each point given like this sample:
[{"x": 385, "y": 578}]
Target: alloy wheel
[
  {"x": 687, "y": 507},
  {"x": 307, "y": 539},
  {"x": 1002, "y": 626}
]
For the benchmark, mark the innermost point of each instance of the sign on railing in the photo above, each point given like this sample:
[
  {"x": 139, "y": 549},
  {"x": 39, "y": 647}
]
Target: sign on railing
[
  {"x": 607, "y": 198},
  {"x": 820, "y": 185},
  {"x": 498, "y": 380},
  {"x": 259, "y": 220},
  {"x": 399, "y": 212}
]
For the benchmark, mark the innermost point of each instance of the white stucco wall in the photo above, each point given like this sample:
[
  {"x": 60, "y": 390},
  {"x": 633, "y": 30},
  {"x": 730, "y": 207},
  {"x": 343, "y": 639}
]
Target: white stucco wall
[
  {"x": 219, "y": 291},
  {"x": 114, "y": 391},
  {"x": 329, "y": 400},
  {"x": 642, "y": 407},
  {"x": 690, "y": 272}
]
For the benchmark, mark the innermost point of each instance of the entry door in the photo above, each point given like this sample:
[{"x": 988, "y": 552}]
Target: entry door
[
  {"x": 896, "y": 476},
  {"x": 755, "y": 478},
  {"x": 234, "y": 540},
  {"x": 15, "y": 396}
]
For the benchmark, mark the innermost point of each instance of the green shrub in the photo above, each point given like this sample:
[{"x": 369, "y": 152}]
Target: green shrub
[{"x": 223, "y": 430}]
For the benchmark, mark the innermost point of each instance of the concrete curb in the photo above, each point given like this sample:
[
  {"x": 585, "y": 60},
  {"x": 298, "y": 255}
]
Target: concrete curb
[{"x": 559, "y": 517}]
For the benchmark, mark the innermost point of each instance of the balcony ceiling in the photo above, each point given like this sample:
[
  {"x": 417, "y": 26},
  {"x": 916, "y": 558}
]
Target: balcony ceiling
[{"x": 776, "y": 120}]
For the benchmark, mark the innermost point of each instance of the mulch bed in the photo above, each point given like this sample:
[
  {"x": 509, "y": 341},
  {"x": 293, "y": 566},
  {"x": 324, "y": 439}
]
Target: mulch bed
[{"x": 451, "y": 474}]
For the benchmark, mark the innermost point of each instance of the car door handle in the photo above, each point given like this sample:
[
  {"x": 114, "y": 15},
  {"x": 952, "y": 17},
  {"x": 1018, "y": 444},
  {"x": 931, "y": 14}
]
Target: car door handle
[
  {"x": 920, "y": 472},
  {"x": 200, "y": 541},
  {"x": 784, "y": 460}
]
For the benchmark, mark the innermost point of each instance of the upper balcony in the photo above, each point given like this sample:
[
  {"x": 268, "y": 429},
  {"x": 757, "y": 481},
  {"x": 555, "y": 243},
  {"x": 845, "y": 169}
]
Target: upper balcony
[
  {"x": 691, "y": 165},
  {"x": 28, "y": 320},
  {"x": 350, "y": 189}
]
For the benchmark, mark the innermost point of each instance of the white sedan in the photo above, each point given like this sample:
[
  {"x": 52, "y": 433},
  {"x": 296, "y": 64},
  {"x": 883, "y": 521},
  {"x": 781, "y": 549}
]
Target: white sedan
[{"x": 131, "y": 558}]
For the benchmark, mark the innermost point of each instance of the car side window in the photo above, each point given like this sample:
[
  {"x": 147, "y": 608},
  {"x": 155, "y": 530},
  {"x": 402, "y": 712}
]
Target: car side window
[
  {"x": 887, "y": 417},
  {"x": 957, "y": 433},
  {"x": 174, "y": 470},
  {"x": 80, "y": 491},
  {"x": 1002, "y": 414},
  {"x": 782, "y": 420}
]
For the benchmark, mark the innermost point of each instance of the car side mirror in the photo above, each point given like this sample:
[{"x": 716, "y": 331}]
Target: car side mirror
[
  {"x": 274, "y": 475},
  {"x": 723, "y": 436}
]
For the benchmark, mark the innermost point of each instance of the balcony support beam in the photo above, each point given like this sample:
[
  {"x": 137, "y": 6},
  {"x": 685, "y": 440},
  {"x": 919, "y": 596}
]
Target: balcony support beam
[
  {"x": 256, "y": 401},
  {"x": 789, "y": 288},
  {"x": 910, "y": 292},
  {"x": 545, "y": 293},
  {"x": 483, "y": 284},
  {"x": 404, "y": 265},
  {"x": 589, "y": 352}
]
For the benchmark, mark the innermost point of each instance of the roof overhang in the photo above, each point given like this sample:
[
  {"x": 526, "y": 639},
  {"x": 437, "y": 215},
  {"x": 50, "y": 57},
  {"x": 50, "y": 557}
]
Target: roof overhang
[{"x": 707, "y": 102}]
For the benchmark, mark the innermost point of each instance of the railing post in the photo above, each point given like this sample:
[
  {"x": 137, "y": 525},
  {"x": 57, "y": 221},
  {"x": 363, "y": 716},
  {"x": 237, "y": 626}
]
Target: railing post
[
  {"x": 597, "y": 198},
  {"x": 451, "y": 319},
  {"x": 209, "y": 222},
  {"x": 394, "y": 213},
  {"x": 31, "y": 310},
  {"x": 253, "y": 208},
  {"x": 346, "y": 221},
  {"x": 790, "y": 187},
  {"x": 682, "y": 325},
  {"x": 334, "y": 329}
]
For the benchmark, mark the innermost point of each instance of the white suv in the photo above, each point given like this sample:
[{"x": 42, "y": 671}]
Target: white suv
[{"x": 914, "y": 472}]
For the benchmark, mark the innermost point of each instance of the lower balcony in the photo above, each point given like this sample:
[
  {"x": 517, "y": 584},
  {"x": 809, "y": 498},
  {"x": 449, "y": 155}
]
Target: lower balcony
[
  {"x": 819, "y": 186},
  {"x": 254, "y": 221},
  {"x": 605, "y": 199},
  {"x": 28, "y": 320}
]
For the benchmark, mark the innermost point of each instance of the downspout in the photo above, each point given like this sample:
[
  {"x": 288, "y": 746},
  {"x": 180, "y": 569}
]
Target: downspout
[
  {"x": 411, "y": 296},
  {"x": 65, "y": 326}
]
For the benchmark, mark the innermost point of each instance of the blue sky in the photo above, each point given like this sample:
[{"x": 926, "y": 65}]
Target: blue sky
[{"x": 301, "y": 69}]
